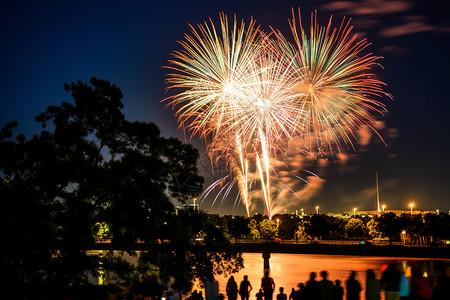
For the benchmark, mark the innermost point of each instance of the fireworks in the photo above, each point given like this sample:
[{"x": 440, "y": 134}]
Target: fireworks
[{"x": 247, "y": 93}]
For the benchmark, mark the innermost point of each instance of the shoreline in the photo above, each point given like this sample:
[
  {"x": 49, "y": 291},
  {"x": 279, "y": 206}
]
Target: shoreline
[{"x": 356, "y": 250}]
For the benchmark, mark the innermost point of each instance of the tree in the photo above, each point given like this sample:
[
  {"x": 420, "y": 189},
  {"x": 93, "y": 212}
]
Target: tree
[
  {"x": 374, "y": 231},
  {"x": 253, "y": 226},
  {"x": 268, "y": 229},
  {"x": 301, "y": 234},
  {"x": 238, "y": 226},
  {"x": 390, "y": 226},
  {"x": 437, "y": 226},
  {"x": 319, "y": 226},
  {"x": 355, "y": 229},
  {"x": 337, "y": 226},
  {"x": 88, "y": 166},
  {"x": 287, "y": 226}
]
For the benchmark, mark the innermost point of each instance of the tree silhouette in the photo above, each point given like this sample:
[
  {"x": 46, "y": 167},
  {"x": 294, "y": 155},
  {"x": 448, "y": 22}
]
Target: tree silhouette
[{"x": 88, "y": 166}]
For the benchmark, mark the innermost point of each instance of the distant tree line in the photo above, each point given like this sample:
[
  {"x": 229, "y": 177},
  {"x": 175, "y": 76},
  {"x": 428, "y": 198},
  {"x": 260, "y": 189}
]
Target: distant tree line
[
  {"x": 420, "y": 229},
  {"x": 91, "y": 174}
]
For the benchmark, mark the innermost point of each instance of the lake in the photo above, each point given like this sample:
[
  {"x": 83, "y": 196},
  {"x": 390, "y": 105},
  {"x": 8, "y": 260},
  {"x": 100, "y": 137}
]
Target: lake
[{"x": 288, "y": 270}]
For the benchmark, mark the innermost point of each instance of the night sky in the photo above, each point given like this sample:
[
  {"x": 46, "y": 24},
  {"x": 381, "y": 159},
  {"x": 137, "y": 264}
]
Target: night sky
[{"x": 48, "y": 43}]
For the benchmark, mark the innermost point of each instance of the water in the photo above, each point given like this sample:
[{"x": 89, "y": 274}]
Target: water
[{"x": 288, "y": 270}]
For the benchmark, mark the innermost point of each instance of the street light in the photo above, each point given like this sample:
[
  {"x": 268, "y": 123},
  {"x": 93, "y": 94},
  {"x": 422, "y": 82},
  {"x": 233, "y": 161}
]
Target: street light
[
  {"x": 411, "y": 205},
  {"x": 317, "y": 210},
  {"x": 302, "y": 211},
  {"x": 354, "y": 212},
  {"x": 383, "y": 207},
  {"x": 278, "y": 222},
  {"x": 403, "y": 237}
]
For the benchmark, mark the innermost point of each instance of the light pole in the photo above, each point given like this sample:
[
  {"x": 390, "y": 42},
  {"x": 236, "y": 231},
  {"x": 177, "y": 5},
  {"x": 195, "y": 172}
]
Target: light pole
[
  {"x": 354, "y": 212},
  {"x": 411, "y": 205},
  {"x": 317, "y": 210},
  {"x": 383, "y": 207},
  {"x": 301, "y": 211},
  {"x": 403, "y": 237},
  {"x": 195, "y": 199}
]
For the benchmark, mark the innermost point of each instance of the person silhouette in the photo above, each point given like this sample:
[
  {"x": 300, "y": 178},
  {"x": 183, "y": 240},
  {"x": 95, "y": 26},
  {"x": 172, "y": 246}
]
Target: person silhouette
[
  {"x": 281, "y": 295},
  {"x": 232, "y": 289},
  {"x": 311, "y": 290},
  {"x": 292, "y": 295},
  {"x": 390, "y": 281},
  {"x": 373, "y": 287},
  {"x": 260, "y": 295},
  {"x": 244, "y": 288},
  {"x": 325, "y": 287},
  {"x": 268, "y": 286},
  {"x": 338, "y": 291},
  {"x": 353, "y": 287}
]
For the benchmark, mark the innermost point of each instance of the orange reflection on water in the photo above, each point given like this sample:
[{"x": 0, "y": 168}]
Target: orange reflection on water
[{"x": 288, "y": 270}]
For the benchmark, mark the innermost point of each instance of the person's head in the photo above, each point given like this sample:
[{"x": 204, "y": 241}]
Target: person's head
[
  {"x": 231, "y": 278},
  {"x": 245, "y": 277},
  {"x": 281, "y": 289},
  {"x": 370, "y": 273},
  {"x": 312, "y": 275},
  {"x": 352, "y": 274},
  {"x": 266, "y": 273},
  {"x": 324, "y": 274},
  {"x": 301, "y": 285},
  {"x": 337, "y": 282}
]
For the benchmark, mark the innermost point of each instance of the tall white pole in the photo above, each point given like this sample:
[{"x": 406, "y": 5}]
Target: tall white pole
[{"x": 378, "y": 193}]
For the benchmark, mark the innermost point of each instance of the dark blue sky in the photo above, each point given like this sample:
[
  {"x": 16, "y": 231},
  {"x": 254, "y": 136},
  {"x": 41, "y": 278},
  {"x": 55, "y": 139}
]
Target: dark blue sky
[{"x": 49, "y": 43}]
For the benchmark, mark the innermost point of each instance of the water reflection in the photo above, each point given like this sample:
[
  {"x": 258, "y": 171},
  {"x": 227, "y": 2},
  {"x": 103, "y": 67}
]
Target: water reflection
[{"x": 288, "y": 270}]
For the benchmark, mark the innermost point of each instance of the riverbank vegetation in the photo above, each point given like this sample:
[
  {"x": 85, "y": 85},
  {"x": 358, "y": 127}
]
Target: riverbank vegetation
[{"x": 418, "y": 229}]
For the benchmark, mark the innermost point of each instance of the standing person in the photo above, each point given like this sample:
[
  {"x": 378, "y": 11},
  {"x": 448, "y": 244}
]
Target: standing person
[
  {"x": 404, "y": 287},
  {"x": 292, "y": 295},
  {"x": 211, "y": 289},
  {"x": 325, "y": 287},
  {"x": 373, "y": 287},
  {"x": 311, "y": 290},
  {"x": 281, "y": 295},
  {"x": 232, "y": 289},
  {"x": 301, "y": 292},
  {"x": 420, "y": 286},
  {"x": 338, "y": 292},
  {"x": 244, "y": 288},
  {"x": 390, "y": 282},
  {"x": 268, "y": 286},
  {"x": 353, "y": 287}
]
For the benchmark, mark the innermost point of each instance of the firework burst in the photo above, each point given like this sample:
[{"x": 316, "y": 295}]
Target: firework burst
[
  {"x": 247, "y": 93},
  {"x": 334, "y": 79}
]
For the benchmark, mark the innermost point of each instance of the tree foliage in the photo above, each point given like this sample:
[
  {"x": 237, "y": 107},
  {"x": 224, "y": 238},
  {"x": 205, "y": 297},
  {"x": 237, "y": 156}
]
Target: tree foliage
[
  {"x": 268, "y": 229},
  {"x": 91, "y": 166},
  {"x": 355, "y": 228}
]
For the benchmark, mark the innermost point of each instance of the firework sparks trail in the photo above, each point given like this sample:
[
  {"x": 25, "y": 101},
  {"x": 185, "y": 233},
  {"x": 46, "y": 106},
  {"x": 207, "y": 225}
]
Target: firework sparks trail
[{"x": 247, "y": 93}]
